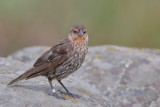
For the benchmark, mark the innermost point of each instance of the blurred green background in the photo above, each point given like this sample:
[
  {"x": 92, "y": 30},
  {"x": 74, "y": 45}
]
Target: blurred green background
[{"x": 133, "y": 23}]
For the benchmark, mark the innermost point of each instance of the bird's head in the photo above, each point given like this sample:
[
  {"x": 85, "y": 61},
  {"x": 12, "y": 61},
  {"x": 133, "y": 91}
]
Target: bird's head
[{"x": 78, "y": 34}]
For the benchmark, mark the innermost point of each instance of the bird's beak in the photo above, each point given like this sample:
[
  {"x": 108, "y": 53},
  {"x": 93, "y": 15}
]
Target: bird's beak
[{"x": 80, "y": 33}]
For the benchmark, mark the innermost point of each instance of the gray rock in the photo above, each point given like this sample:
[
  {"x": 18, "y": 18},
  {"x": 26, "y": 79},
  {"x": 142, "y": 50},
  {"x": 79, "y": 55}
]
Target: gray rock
[{"x": 111, "y": 76}]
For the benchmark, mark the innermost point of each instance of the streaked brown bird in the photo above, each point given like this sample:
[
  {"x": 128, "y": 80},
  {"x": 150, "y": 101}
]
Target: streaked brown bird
[{"x": 61, "y": 60}]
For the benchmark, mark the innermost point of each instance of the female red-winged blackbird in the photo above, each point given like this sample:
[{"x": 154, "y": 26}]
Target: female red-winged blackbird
[{"x": 61, "y": 60}]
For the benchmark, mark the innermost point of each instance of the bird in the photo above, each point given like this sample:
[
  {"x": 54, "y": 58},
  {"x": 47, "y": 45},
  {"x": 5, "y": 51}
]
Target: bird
[{"x": 60, "y": 60}]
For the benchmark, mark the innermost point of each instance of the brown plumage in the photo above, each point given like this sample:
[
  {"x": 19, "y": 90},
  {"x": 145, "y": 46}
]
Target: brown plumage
[{"x": 62, "y": 59}]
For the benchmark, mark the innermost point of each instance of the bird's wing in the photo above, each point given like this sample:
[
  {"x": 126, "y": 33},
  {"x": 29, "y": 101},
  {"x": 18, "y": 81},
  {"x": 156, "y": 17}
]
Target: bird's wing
[
  {"x": 50, "y": 60},
  {"x": 51, "y": 54}
]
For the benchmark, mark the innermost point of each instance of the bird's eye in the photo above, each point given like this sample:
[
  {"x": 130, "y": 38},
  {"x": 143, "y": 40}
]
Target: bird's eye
[
  {"x": 84, "y": 32},
  {"x": 75, "y": 31}
]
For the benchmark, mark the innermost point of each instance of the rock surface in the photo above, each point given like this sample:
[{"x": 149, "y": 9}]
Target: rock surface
[{"x": 111, "y": 76}]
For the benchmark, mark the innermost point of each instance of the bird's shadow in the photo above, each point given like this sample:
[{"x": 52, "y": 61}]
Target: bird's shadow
[{"x": 45, "y": 89}]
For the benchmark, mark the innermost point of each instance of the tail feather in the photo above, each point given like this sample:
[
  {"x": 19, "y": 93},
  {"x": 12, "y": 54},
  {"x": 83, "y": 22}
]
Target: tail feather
[{"x": 22, "y": 77}]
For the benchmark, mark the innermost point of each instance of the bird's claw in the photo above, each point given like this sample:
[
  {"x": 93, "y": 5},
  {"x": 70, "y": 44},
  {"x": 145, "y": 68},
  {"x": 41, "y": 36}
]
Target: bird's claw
[
  {"x": 58, "y": 96},
  {"x": 73, "y": 95},
  {"x": 68, "y": 94}
]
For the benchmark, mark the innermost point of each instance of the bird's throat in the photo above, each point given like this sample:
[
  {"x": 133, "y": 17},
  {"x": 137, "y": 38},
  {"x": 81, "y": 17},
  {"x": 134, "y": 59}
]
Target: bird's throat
[{"x": 79, "y": 38}]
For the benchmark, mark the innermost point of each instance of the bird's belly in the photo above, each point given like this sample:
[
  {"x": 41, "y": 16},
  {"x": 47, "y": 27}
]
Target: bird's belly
[
  {"x": 67, "y": 68},
  {"x": 70, "y": 66}
]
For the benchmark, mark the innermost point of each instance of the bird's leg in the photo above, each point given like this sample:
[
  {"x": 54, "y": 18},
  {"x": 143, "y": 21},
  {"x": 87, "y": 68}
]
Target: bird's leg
[
  {"x": 68, "y": 92},
  {"x": 50, "y": 82},
  {"x": 54, "y": 91},
  {"x": 63, "y": 86}
]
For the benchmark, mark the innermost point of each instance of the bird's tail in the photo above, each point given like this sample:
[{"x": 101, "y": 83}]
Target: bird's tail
[{"x": 22, "y": 77}]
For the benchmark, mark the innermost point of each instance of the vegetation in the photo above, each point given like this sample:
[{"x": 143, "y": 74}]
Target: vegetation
[{"x": 25, "y": 23}]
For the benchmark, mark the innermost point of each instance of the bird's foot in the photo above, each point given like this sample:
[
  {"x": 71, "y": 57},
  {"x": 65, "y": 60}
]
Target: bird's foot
[
  {"x": 69, "y": 94},
  {"x": 73, "y": 95},
  {"x": 57, "y": 94}
]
